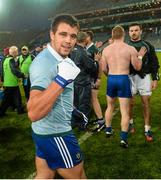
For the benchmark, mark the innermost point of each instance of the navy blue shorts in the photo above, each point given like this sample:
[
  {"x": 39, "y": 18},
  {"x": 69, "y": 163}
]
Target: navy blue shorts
[
  {"x": 119, "y": 86},
  {"x": 59, "y": 152}
]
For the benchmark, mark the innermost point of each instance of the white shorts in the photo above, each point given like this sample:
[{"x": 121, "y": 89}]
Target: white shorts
[{"x": 141, "y": 86}]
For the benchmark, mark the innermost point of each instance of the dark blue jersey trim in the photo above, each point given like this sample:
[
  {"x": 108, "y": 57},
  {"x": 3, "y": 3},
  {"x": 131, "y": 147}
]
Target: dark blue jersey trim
[{"x": 37, "y": 88}]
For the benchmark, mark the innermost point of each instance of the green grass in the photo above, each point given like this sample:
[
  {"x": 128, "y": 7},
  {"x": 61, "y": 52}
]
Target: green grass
[
  {"x": 16, "y": 147},
  {"x": 104, "y": 158}
]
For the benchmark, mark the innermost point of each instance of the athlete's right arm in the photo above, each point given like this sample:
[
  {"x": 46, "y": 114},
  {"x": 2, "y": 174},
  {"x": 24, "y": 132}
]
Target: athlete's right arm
[
  {"x": 135, "y": 61},
  {"x": 41, "y": 102}
]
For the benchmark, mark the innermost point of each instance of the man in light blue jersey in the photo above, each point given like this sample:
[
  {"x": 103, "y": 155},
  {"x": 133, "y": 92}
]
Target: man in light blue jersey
[{"x": 51, "y": 104}]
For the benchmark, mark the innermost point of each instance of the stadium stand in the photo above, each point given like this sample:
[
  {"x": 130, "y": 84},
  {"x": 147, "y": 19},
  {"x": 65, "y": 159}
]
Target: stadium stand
[
  {"x": 98, "y": 16},
  {"x": 102, "y": 16}
]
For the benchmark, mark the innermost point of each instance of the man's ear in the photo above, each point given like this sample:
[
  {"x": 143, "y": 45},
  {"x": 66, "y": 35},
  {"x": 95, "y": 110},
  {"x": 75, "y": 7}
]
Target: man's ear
[
  {"x": 52, "y": 35},
  {"x": 141, "y": 32}
]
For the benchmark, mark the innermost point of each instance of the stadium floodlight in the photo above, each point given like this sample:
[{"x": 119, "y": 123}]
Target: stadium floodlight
[
  {"x": 2, "y": 8},
  {"x": 1, "y": 5}
]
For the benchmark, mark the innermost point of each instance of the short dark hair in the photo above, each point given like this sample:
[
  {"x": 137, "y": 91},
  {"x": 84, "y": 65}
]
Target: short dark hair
[
  {"x": 66, "y": 18},
  {"x": 81, "y": 37},
  {"x": 135, "y": 24},
  {"x": 90, "y": 34},
  {"x": 118, "y": 32}
]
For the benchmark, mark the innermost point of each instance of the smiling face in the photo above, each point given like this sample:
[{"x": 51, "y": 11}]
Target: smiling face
[
  {"x": 64, "y": 38},
  {"x": 135, "y": 33}
]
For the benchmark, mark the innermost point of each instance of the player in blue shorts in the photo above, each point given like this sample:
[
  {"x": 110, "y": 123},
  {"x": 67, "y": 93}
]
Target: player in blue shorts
[
  {"x": 119, "y": 86},
  {"x": 116, "y": 59},
  {"x": 50, "y": 104}
]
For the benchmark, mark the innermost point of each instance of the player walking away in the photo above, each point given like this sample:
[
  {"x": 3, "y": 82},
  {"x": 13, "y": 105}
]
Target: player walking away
[{"x": 116, "y": 59}]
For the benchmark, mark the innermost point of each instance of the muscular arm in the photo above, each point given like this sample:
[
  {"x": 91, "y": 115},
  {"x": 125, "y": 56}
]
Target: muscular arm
[
  {"x": 41, "y": 102},
  {"x": 104, "y": 64}
]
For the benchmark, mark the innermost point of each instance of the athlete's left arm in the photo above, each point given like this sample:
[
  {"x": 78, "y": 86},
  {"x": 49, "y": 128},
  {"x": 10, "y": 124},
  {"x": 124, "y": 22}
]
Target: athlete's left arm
[
  {"x": 154, "y": 64},
  {"x": 104, "y": 63}
]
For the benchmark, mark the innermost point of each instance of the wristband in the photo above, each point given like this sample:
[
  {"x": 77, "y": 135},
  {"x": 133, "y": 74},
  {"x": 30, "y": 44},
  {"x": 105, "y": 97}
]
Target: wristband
[
  {"x": 61, "y": 81},
  {"x": 140, "y": 57}
]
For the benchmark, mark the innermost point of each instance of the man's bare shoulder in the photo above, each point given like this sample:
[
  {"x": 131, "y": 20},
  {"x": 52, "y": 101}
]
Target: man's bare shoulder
[
  {"x": 131, "y": 47},
  {"x": 107, "y": 49}
]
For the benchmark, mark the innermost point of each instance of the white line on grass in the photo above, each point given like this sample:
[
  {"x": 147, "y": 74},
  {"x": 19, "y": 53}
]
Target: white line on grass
[{"x": 81, "y": 140}]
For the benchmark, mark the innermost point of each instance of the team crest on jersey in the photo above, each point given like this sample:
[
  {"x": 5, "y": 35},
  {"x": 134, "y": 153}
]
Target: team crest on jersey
[{"x": 78, "y": 155}]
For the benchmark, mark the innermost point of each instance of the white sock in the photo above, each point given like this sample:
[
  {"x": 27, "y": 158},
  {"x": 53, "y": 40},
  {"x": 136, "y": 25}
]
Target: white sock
[
  {"x": 147, "y": 128},
  {"x": 131, "y": 121}
]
